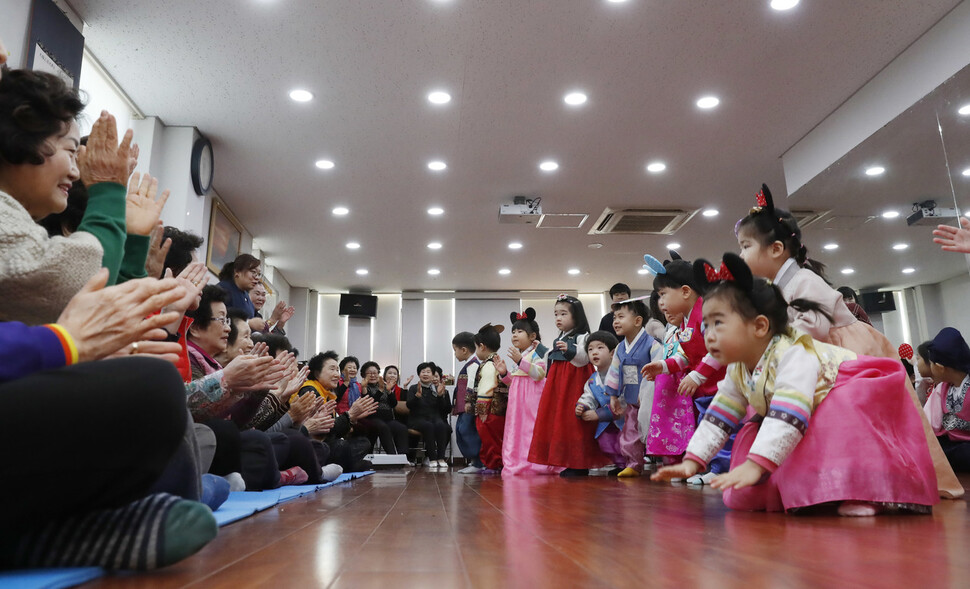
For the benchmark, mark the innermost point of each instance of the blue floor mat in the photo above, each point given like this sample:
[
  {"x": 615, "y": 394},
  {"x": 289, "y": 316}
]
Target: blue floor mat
[
  {"x": 240, "y": 505},
  {"x": 48, "y": 578}
]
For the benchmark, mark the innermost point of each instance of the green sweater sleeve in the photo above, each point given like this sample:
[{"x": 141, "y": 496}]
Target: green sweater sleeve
[
  {"x": 105, "y": 219},
  {"x": 136, "y": 252}
]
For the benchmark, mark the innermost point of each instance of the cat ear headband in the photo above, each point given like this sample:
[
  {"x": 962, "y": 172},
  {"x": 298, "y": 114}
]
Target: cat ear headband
[
  {"x": 488, "y": 326},
  {"x": 732, "y": 269},
  {"x": 765, "y": 202}
]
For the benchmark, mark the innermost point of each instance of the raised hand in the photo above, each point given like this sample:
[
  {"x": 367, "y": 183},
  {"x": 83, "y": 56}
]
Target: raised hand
[
  {"x": 500, "y": 366},
  {"x": 320, "y": 424},
  {"x": 408, "y": 382},
  {"x": 104, "y": 321},
  {"x": 157, "y": 251},
  {"x": 685, "y": 469},
  {"x": 954, "y": 239},
  {"x": 286, "y": 315},
  {"x": 515, "y": 355},
  {"x": 143, "y": 209},
  {"x": 277, "y": 313},
  {"x": 192, "y": 279},
  {"x": 103, "y": 159},
  {"x": 259, "y": 349}
]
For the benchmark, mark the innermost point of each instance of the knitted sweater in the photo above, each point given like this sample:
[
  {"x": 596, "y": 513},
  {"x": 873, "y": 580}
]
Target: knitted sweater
[{"x": 40, "y": 274}]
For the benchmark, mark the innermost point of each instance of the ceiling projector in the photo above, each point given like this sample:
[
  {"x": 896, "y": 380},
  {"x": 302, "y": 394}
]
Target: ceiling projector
[
  {"x": 522, "y": 210},
  {"x": 927, "y": 213}
]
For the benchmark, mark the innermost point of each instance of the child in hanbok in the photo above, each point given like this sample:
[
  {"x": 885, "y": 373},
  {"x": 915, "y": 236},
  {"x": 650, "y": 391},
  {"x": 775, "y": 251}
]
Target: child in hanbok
[
  {"x": 829, "y": 426},
  {"x": 525, "y": 379},
  {"x": 771, "y": 245}
]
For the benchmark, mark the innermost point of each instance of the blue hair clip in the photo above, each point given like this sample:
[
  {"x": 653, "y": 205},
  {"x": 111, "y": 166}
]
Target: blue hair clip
[{"x": 654, "y": 265}]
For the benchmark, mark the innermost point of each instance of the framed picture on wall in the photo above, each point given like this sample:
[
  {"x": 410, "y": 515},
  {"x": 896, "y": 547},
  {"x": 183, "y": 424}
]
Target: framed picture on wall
[{"x": 225, "y": 238}]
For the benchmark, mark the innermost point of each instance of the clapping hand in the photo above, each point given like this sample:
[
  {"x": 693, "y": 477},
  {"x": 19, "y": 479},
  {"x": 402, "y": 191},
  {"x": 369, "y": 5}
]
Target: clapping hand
[
  {"x": 408, "y": 382},
  {"x": 143, "y": 209},
  {"x": 246, "y": 373},
  {"x": 192, "y": 279},
  {"x": 302, "y": 408},
  {"x": 500, "y": 366},
  {"x": 103, "y": 159},
  {"x": 515, "y": 355},
  {"x": 104, "y": 321},
  {"x": 362, "y": 407},
  {"x": 157, "y": 251}
]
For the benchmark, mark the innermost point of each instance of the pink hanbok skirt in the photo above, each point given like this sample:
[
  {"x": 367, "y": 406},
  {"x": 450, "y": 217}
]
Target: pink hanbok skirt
[
  {"x": 672, "y": 420},
  {"x": 864, "y": 442},
  {"x": 520, "y": 421}
]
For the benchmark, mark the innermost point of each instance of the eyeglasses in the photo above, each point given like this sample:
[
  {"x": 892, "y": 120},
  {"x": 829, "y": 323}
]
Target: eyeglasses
[{"x": 222, "y": 320}]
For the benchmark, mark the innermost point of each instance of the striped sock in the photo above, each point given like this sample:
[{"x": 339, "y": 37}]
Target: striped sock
[{"x": 150, "y": 533}]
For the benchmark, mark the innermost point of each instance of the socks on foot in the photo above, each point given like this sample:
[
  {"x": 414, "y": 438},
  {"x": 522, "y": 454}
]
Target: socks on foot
[
  {"x": 236, "y": 482},
  {"x": 293, "y": 476},
  {"x": 150, "y": 533},
  {"x": 858, "y": 509},
  {"x": 215, "y": 491},
  {"x": 331, "y": 472}
]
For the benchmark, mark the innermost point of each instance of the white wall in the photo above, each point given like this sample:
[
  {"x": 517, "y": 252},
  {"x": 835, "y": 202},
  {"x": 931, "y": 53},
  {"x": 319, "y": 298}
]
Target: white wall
[{"x": 954, "y": 294}]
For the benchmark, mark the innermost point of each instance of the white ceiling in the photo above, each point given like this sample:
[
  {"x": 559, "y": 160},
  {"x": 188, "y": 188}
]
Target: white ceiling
[{"x": 227, "y": 67}]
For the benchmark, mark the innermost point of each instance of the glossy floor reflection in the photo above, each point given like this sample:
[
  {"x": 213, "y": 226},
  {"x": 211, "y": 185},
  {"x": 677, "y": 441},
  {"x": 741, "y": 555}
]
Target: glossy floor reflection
[{"x": 440, "y": 530}]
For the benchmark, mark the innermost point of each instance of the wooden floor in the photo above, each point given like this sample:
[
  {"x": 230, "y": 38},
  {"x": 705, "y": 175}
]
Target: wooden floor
[{"x": 440, "y": 530}]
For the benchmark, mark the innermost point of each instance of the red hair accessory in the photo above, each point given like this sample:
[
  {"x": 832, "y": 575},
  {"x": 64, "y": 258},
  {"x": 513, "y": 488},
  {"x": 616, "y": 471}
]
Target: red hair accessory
[
  {"x": 762, "y": 201},
  {"x": 721, "y": 273},
  {"x": 521, "y": 316},
  {"x": 906, "y": 352}
]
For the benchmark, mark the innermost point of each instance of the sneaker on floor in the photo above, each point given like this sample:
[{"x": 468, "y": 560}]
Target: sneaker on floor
[
  {"x": 702, "y": 479},
  {"x": 442, "y": 464},
  {"x": 331, "y": 472},
  {"x": 574, "y": 472},
  {"x": 470, "y": 469},
  {"x": 429, "y": 464},
  {"x": 293, "y": 476},
  {"x": 236, "y": 482}
]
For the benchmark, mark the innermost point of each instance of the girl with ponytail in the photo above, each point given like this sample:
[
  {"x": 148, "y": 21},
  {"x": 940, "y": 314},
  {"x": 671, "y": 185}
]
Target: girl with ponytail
[
  {"x": 771, "y": 245},
  {"x": 827, "y": 426}
]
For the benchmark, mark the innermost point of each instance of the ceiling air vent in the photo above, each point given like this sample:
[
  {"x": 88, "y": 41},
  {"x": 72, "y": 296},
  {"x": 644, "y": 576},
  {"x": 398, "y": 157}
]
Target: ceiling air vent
[
  {"x": 806, "y": 218},
  {"x": 641, "y": 221}
]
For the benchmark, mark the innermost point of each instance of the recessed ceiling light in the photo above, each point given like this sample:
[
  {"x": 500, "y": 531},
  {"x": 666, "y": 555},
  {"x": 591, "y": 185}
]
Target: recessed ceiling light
[
  {"x": 504, "y": 271},
  {"x": 353, "y": 245},
  {"x": 301, "y": 95},
  {"x": 515, "y": 245},
  {"x": 909, "y": 270},
  {"x": 964, "y": 110},
  {"x": 341, "y": 211},
  {"x": 574, "y": 98},
  {"x": 434, "y": 271},
  {"x": 439, "y": 97},
  {"x": 848, "y": 271},
  {"x": 966, "y": 172},
  {"x": 784, "y": 4},
  {"x": 830, "y": 246},
  {"x": 324, "y": 164},
  {"x": 710, "y": 212},
  {"x": 362, "y": 272},
  {"x": 616, "y": 1},
  {"x": 875, "y": 171},
  {"x": 437, "y": 165},
  {"x": 436, "y": 211},
  {"x": 673, "y": 245},
  {"x": 890, "y": 214},
  {"x": 900, "y": 246},
  {"x": 434, "y": 245},
  {"x": 574, "y": 271},
  {"x": 656, "y": 167},
  {"x": 707, "y": 102},
  {"x": 548, "y": 166},
  {"x": 643, "y": 271}
]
